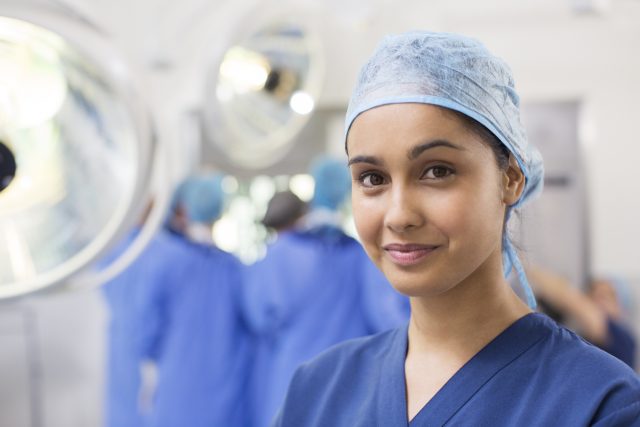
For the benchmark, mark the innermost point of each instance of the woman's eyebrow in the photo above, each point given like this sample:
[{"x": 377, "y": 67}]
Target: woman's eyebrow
[
  {"x": 365, "y": 159},
  {"x": 413, "y": 153},
  {"x": 419, "y": 149}
]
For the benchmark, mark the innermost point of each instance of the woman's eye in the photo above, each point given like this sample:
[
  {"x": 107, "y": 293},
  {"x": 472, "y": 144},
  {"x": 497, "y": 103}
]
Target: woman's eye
[
  {"x": 371, "y": 179},
  {"x": 437, "y": 172}
]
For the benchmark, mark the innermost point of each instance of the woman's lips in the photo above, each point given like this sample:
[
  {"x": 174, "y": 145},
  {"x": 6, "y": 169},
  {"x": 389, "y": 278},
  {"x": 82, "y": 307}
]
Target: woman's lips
[{"x": 408, "y": 254}]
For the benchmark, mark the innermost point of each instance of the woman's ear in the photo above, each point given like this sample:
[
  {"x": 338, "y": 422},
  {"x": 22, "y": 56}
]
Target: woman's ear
[{"x": 513, "y": 182}]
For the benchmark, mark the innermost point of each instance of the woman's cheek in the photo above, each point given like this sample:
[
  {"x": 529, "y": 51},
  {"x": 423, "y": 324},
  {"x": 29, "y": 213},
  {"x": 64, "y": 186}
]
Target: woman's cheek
[
  {"x": 369, "y": 220},
  {"x": 446, "y": 211}
]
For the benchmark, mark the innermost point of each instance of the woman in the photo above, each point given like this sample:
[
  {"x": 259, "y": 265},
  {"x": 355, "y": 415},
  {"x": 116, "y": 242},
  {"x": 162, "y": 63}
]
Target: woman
[{"x": 439, "y": 160}]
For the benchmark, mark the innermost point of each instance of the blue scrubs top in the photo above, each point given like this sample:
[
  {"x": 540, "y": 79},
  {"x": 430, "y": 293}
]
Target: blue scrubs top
[
  {"x": 535, "y": 373},
  {"x": 314, "y": 289},
  {"x": 199, "y": 341}
]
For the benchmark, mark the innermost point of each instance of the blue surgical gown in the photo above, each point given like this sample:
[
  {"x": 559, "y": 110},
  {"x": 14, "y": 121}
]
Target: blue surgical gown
[
  {"x": 535, "y": 373},
  {"x": 199, "y": 341},
  {"x": 314, "y": 288},
  {"x": 126, "y": 294}
]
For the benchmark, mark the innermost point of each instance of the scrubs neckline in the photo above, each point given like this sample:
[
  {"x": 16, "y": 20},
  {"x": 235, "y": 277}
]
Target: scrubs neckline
[{"x": 506, "y": 347}]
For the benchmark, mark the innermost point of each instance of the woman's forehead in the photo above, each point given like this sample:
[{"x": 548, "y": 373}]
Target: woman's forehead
[{"x": 408, "y": 124}]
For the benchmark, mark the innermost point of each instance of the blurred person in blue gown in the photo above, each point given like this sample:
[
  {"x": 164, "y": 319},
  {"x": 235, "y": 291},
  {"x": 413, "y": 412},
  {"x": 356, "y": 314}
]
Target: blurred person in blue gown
[
  {"x": 176, "y": 307},
  {"x": 125, "y": 296},
  {"x": 315, "y": 287},
  {"x": 195, "y": 334}
]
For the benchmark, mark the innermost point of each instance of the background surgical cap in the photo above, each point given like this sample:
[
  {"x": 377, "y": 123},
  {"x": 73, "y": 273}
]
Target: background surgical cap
[
  {"x": 459, "y": 73},
  {"x": 332, "y": 182},
  {"x": 202, "y": 197}
]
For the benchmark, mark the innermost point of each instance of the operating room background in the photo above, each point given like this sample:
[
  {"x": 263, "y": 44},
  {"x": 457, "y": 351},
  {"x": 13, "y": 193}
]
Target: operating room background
[{"x": 576, "y": 65}]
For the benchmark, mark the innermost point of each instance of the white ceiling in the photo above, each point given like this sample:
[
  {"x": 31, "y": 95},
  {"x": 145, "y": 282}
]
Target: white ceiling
[
  {"x": 153, "y": 24},
  {"x": 190, "y": 34}
]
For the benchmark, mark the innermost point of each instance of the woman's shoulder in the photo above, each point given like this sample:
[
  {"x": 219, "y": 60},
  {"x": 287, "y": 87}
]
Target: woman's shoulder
[
  {"x": 572, "y": 363},
  {"x": 565, "y": 346}
]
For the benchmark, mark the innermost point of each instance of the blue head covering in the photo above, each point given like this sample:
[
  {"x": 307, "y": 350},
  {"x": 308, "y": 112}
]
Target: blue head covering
[
  {"x": 459, "y": 73},
  {"x": 202, "y": 197},
  {"x": 332, "y": 183}
]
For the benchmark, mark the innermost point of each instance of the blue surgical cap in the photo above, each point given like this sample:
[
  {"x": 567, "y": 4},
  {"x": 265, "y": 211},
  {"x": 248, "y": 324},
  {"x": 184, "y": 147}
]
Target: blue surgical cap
[
  {"x": 458, "y": 73},
  {"x": 202, "y": 197},
  {"x": 332, "y": 182}
]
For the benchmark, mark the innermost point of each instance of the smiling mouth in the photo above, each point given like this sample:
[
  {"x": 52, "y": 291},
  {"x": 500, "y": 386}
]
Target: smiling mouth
[{"x": 410, "y": 254}]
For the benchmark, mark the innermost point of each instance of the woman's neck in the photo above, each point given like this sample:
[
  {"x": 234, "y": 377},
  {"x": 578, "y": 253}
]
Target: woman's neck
[{"x": 464, "y": 319}]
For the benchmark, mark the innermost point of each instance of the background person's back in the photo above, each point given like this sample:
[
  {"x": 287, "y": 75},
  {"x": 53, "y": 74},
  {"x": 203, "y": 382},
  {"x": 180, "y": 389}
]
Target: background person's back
[
  {"x": 195, "y": 333},
  {"x": 200, "y": 344}
]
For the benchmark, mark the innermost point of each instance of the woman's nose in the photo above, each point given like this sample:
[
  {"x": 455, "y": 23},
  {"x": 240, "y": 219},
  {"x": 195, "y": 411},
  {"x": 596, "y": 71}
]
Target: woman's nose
[{"x": 403, "y": 212}]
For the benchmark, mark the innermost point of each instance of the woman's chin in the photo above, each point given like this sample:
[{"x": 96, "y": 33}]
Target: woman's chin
[{"x": 414, "y": 288}]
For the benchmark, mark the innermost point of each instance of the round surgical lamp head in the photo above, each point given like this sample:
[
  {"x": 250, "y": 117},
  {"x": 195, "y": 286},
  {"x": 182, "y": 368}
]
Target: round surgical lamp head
[
  {"x": 261, "y": 92},
  {"x": 75, "y": 147},
  {"x": 7, "y": 166}
]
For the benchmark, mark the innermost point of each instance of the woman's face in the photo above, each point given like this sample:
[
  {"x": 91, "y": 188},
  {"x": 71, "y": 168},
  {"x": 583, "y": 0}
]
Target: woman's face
[{"x": 428, "y": 197}]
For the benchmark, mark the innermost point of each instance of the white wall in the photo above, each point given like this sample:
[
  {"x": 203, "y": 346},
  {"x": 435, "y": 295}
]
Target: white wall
[{"x": 52, "y": 360}]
